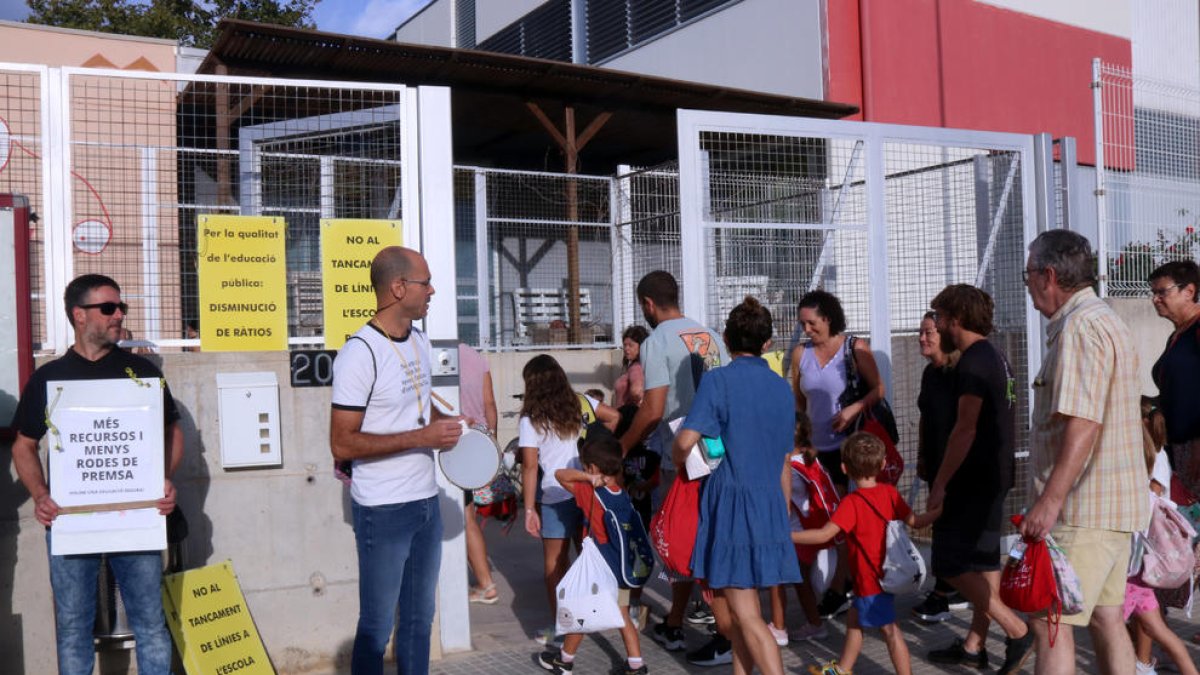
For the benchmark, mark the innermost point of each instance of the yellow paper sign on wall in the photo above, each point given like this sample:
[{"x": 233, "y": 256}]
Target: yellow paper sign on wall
[
  {"x": 243, "y": 283},
  {"x": 348, "y": 246},
  {"x": 211, "y": 624}
]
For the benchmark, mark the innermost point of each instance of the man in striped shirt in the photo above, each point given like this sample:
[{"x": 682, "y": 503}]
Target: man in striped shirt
[{"x": 1089, "y": 479}]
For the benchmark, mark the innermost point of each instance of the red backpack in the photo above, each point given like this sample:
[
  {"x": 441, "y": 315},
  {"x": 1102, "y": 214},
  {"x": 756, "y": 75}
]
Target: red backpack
[
  {"x": 822, "y": 497},
  {"x": 673, "y": 528},
  {"x": 1028, "y": 583}
]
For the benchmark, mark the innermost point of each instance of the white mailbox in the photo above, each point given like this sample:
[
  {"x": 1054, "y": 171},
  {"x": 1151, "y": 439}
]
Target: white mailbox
[{"x": 248, "y": 412}]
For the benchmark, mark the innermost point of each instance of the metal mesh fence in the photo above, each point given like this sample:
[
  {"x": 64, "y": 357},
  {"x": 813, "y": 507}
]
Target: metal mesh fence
[
  {"x": 148, "y": 155},
  {"x": 1150, "y": 143},
  {"x": 549, "y": 248},
  {"x": 647, "y": 229},
  {"x": 785, "y": 214},
  {"x": 21, "y": 152},
  {"x": 954, "y": 216}
]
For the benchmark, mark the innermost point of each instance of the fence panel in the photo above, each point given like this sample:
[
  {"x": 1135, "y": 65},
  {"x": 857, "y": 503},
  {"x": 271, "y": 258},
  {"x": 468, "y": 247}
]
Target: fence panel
[
  {"x": 139, "y": 156},
  {"x": 532, "y": 233},
  {"x": 882, "y": 216},
  {"x": 1148, "y": 196}
]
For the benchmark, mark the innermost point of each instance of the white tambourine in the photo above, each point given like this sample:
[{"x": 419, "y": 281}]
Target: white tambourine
[{"x": 473, "y": 462}]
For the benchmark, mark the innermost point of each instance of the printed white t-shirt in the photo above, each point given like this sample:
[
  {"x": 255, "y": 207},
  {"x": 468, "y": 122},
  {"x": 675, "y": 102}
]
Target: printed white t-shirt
[
  {"x": 554, "y": 453},
  {"x": 369, "y": 377}
]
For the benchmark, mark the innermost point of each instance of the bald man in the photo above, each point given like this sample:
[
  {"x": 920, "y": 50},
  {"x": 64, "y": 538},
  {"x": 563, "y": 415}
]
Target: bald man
[{"x": 385, "y": 425}]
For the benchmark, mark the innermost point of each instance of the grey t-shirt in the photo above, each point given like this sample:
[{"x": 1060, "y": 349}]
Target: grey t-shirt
[{"x": 675, "y": 355}]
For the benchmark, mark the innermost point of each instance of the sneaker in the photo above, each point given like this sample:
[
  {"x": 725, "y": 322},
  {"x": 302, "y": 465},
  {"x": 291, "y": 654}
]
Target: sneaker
[
  {"x": 547, "y": 637},
  {"x": 780, "y": 635},
  {"x": 701, "y": 615},
  {"x": 828, "y": 668},
  {"x": 670, "y": 637},
  {"x": 624, "y": 669},
  {"x": 956, "y": 602},
  {"x": 809, "y": 632},
  {"x": 1145, "y": 668},
  {"x": 955, "y": 655},
  {"x": 934, "y": 608},
  {"x": 717, "y": 652},
  {"x": 833, "y": 603},
  {"x": 1016, "y": 652},
  {"x": 551, "y": 660}
]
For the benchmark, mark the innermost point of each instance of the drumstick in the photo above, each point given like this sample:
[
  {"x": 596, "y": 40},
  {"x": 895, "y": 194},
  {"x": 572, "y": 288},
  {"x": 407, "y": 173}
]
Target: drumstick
[{"x": 441, "y": 400}]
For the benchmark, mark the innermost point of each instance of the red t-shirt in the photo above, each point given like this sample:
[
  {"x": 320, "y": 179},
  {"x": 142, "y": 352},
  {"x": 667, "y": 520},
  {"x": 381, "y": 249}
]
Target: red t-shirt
[
  {"x": 867, "y": 532},
  {"x": 595, "y": 518}
]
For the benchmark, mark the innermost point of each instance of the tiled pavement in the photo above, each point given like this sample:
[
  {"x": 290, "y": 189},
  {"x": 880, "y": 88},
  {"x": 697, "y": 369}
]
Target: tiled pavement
[{"x": 501, "y": 632}]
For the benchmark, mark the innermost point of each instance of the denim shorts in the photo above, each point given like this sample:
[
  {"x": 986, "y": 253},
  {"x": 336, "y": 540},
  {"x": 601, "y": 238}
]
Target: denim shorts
[
  {"x": 876, "y": 611},
  {"x": 561, "y": 520}
]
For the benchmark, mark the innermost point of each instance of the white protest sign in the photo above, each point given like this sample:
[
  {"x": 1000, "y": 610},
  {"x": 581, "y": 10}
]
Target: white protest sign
[{"x": 106, "y": 464}]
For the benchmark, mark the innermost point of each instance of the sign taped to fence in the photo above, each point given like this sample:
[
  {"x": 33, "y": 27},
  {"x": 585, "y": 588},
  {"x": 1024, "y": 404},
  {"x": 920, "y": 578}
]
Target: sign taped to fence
[
  {"x": 106, "y": 464},
  {"x": 243, "y": 283},
  {"x": 348, "y": 245},
  {"x": 211, "y": 624}
]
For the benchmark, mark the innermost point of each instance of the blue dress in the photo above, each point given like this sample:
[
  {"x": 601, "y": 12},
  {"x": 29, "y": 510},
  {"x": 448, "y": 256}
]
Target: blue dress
[{"x": 744, "y": 539}]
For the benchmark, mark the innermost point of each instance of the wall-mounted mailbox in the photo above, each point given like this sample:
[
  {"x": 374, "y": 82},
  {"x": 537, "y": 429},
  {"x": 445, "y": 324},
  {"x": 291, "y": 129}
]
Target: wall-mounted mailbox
[{"x": 248, "y": 412}]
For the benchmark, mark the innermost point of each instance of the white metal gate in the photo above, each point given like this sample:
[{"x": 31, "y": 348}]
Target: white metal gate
[
  {"x": 119, "y": 164},
  {"x": 883, "y": 216}
]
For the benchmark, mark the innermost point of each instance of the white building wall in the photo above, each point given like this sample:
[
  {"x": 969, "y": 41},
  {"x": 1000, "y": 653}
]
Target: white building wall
[
  {"x": 492, "y": 15},
  {"x": 1166, "y": 46},
  {"x": 433, "y": 25},
  {"x": 773, "y": 46},
  {"x": 1104, "y": 16}
]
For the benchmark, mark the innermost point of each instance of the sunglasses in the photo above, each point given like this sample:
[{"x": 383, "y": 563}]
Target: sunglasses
[{"x": 107, "y": 308}]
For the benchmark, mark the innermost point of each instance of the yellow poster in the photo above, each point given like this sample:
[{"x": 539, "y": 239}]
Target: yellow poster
[
  {"x": 243, "y": 284},
  {"x": 347, "y": 248},
  {"x": 211, "y": 624}
]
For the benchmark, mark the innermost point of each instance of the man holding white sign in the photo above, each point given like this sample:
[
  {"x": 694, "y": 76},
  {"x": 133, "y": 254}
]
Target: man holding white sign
[
  {"x": 94, "y": 308},
  {"x": 384, "y": 421}
]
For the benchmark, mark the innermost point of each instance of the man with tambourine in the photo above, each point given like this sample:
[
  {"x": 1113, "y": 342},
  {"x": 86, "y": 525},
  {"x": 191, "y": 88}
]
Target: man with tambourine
[{"x": 384, "y": 421}]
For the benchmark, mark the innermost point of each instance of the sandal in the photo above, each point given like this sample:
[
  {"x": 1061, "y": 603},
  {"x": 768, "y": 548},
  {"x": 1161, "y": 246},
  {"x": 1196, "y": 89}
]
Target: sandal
[{"x": 481, "y": 595}]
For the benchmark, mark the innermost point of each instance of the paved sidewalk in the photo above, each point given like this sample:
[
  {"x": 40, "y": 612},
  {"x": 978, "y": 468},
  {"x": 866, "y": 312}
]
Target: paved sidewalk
[{"x": 501, "y": 633}]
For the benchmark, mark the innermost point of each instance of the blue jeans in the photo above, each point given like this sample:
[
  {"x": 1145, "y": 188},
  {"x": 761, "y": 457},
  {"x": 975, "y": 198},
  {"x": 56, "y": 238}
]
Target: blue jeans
[
  {"x": 139, "y": 576},
  {"x": 399, "y": 553}
]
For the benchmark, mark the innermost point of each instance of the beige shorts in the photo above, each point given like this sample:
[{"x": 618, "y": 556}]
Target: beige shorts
[
  {"x": 622, "y": 597},
  {"x": 1100, "y": 559}
]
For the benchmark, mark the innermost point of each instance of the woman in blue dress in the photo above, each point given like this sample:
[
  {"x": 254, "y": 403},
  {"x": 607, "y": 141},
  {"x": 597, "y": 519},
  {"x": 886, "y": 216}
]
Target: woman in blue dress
[{"x": 743, "y": 542}]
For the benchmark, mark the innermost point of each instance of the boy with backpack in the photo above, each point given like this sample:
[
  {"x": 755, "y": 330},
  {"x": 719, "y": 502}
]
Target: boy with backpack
[
  {"x": 864, "y": 516},
  {"x": 620, "y": 536}
]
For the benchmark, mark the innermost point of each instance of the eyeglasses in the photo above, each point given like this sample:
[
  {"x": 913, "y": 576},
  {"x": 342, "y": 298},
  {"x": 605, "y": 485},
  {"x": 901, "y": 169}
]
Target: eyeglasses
[
  {"x": 107, "y": 308},
  {"x": 427, "y": 283},
  {"x": 1162, "y": 292},
  {"x": 1025, "y": 274}
]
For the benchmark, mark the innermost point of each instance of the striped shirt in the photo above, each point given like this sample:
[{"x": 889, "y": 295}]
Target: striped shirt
[{"x": 1090, "y": 372}]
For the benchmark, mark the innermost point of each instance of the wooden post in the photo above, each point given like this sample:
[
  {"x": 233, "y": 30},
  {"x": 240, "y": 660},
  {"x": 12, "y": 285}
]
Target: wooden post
[{"x": 571, "y": 144}]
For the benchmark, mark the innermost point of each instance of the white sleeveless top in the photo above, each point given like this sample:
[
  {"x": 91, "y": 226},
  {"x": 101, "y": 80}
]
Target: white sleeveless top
[{"x": 822, "y": 386}]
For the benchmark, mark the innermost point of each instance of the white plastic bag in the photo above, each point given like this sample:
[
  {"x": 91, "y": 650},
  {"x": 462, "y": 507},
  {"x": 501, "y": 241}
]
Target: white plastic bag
[
  {"x": 903, "y": 566},
  {"x": 587, "y": 595},
  {"x": 823, "y": 569}
]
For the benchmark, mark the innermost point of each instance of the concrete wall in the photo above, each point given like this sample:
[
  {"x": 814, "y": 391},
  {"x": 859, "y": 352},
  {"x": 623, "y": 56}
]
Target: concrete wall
[
  {"x": 287, "y": 529},
  {"x": 773, "y": 46},
  {"x": 431, "y": 26},
  {"x": 492, "y": 15},
  {"x": 1150, "y": 333}
]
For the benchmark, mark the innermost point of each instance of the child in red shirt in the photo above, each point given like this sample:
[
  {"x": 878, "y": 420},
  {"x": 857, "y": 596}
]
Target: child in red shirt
[
  {"x": 863, "y": 515},
  {"x": 601, "y": 458}
]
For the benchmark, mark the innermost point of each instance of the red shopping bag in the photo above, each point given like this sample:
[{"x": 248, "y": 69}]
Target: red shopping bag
[
  {"x": 893, "y": 463},
  {"x": 673, "y": 528},
  {"x": 1028, "y": 584}
]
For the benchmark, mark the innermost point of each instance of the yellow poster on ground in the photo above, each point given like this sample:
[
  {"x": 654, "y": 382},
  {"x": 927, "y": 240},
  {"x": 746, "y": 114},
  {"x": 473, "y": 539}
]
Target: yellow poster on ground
[
  {"x": 348, "y": 245},
  {"x": 211, "y": 624},
  {"x": 243, "y": 283}
]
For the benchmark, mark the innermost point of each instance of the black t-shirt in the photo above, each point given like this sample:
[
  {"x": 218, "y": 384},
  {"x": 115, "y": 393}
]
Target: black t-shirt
[
  {"x": 30, "y": 417},
  {"x": 988, "y": 469},
  {"x": 938, "y": 404},
  {"x": 1177, "y": 375}
]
